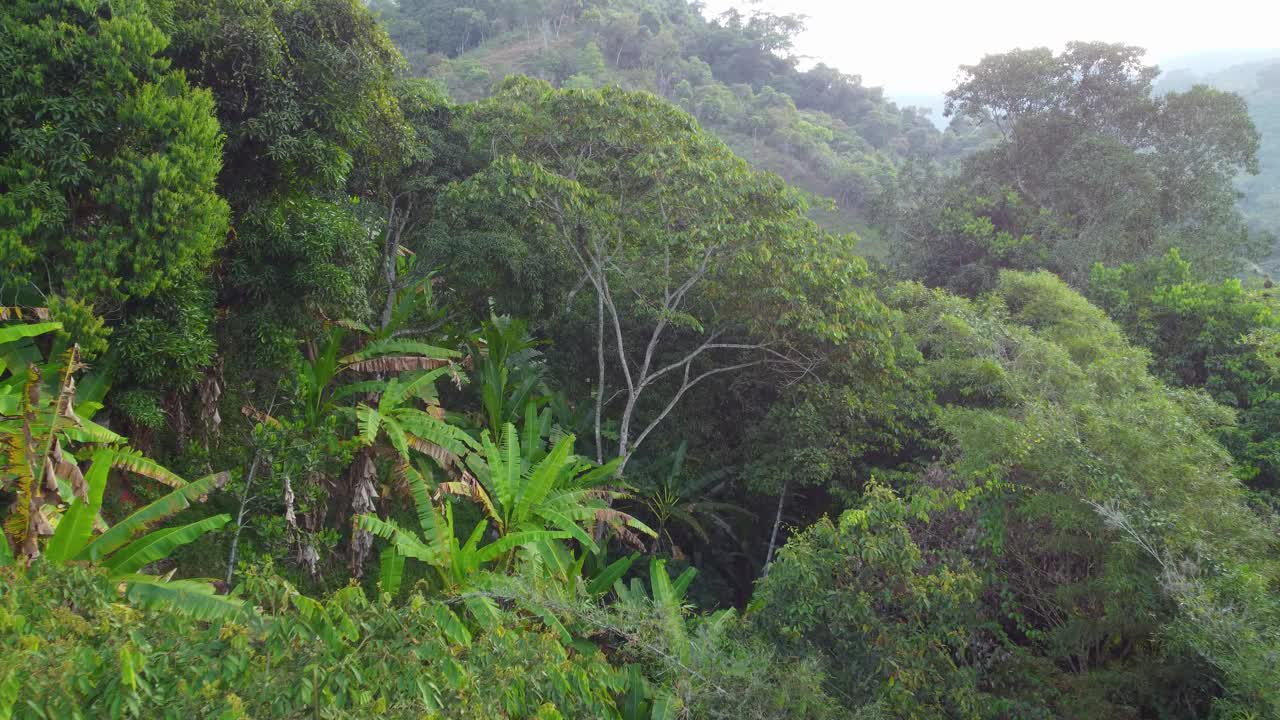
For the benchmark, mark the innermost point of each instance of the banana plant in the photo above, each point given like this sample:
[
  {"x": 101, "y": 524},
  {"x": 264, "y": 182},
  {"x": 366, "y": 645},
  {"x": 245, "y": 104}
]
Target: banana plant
[
  {"x": 44, "y": 414},
  {"x": 559, "y": 563},
  {"x": 127, "y": 547},
  {"x": 559, "y": 491},
  {"x": 320, "y": 377},
  {"x": 456, "y": 563},
  {"x": 404, "y": 410},
  {"x": 408, "y": 415},
  {"x": 507, "y": 367},
  {"x": 38, "y": 431},
  {"x": 643, "y": 700},
  {"x": 383, "y": 350}
]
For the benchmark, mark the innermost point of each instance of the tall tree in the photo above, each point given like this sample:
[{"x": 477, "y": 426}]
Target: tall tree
[
  {"x": 108, "y": 163},
  {"x": 1117, "y": 173},
  {"x": 305, "y": 94},
  {"x": 699, "y": 266}
]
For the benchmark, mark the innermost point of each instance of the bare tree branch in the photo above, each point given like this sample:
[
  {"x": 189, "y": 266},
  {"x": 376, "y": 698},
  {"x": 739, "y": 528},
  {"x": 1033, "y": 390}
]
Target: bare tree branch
[{"x": 685, "y": 386}]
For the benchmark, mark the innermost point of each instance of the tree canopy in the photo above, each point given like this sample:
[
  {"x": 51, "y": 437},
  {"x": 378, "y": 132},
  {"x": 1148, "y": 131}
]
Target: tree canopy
[{"x": 1093, "y": 166}]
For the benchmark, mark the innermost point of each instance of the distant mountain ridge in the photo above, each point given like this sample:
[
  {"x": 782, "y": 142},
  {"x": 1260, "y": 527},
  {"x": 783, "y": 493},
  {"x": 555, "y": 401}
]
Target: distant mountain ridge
[{"x": 1215, "y": 61}]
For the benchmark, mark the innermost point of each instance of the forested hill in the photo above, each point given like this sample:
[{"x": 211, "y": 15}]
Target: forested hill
[
  {"x": 1258, "y": 81},
  {"x": 819, "y": 129}
]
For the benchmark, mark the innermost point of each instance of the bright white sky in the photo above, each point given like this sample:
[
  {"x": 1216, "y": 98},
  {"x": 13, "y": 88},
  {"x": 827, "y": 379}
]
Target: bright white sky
[{"x": 912, "y": 47}]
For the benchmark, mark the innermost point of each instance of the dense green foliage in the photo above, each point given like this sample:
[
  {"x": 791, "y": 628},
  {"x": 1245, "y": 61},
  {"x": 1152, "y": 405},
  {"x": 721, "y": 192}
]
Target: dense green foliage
[
  {"x": 1205, "y": 335},
  {"x": 304, "y": 94},
  {"x": 550, "y": 404},
  {"x": 110, "y": 159},
  {"x": 819, "y": 129}
]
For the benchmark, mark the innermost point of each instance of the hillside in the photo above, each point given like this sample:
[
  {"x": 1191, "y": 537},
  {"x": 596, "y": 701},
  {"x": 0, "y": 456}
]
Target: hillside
[
  {"x": 1258, "y": 81},
  {"x": 819, "y": 129}
]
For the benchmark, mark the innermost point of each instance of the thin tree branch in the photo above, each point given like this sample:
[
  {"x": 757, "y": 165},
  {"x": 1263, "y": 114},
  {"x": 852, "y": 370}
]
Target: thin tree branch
[{"x": 685, "y": 386}]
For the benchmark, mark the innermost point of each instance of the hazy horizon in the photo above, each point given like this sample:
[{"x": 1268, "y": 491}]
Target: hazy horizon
[{"x": 921, "y": 61}]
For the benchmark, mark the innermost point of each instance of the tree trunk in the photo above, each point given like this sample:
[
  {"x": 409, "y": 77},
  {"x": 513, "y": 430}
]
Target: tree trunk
[
  {"x": 244, "y": 505},
  {"x": 600, "y": 374},
  {"x": 777, "y": 522}
]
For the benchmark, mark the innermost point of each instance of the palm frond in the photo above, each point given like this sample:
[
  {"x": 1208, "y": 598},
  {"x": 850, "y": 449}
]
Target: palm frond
[
  {"x": 76, "y": 525},
  {"x": 356, "y": 325},
  {"x": 603, "y": 580},
  {"x": 87, "y": 431},
  {"x": 510, "y": 541},
  {"x": 597, "y": 474},
  {"x": 134, "y": 462},
  {"x": 471, "y": 489},
  {"x": 396, "y": 434},
  {"x": 398, "y": 364},
  {"x": 680, "y": 585},
  {"x": 443, "y": 457},
  {"x": 543, "y": 477},
  {"x": 175, "y": 502},
  {"x": 413, "y": 387},
  {"x": 428, "y": 519},
  {"x": 617, "y": 519},
  {"x": 189, "y": 597},
  {"x": 370, "y": 422},
  {"x": 506, "y": 473},
  {"x": 555, "y": 557},
  {"x": 405, "y": 542},
  {"x": 391, "y": 571},
  {"x": 452, "y": 626},
  {"x": 157, "y": 545},
  {"x": 381, "y": 348},
  {"x": 13, "y": 333},
  {"x": 364, "y": 387}
]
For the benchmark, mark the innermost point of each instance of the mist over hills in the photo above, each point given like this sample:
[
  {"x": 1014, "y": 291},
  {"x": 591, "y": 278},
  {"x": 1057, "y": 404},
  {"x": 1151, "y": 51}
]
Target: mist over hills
[{"x": 1255, "y": 75}]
